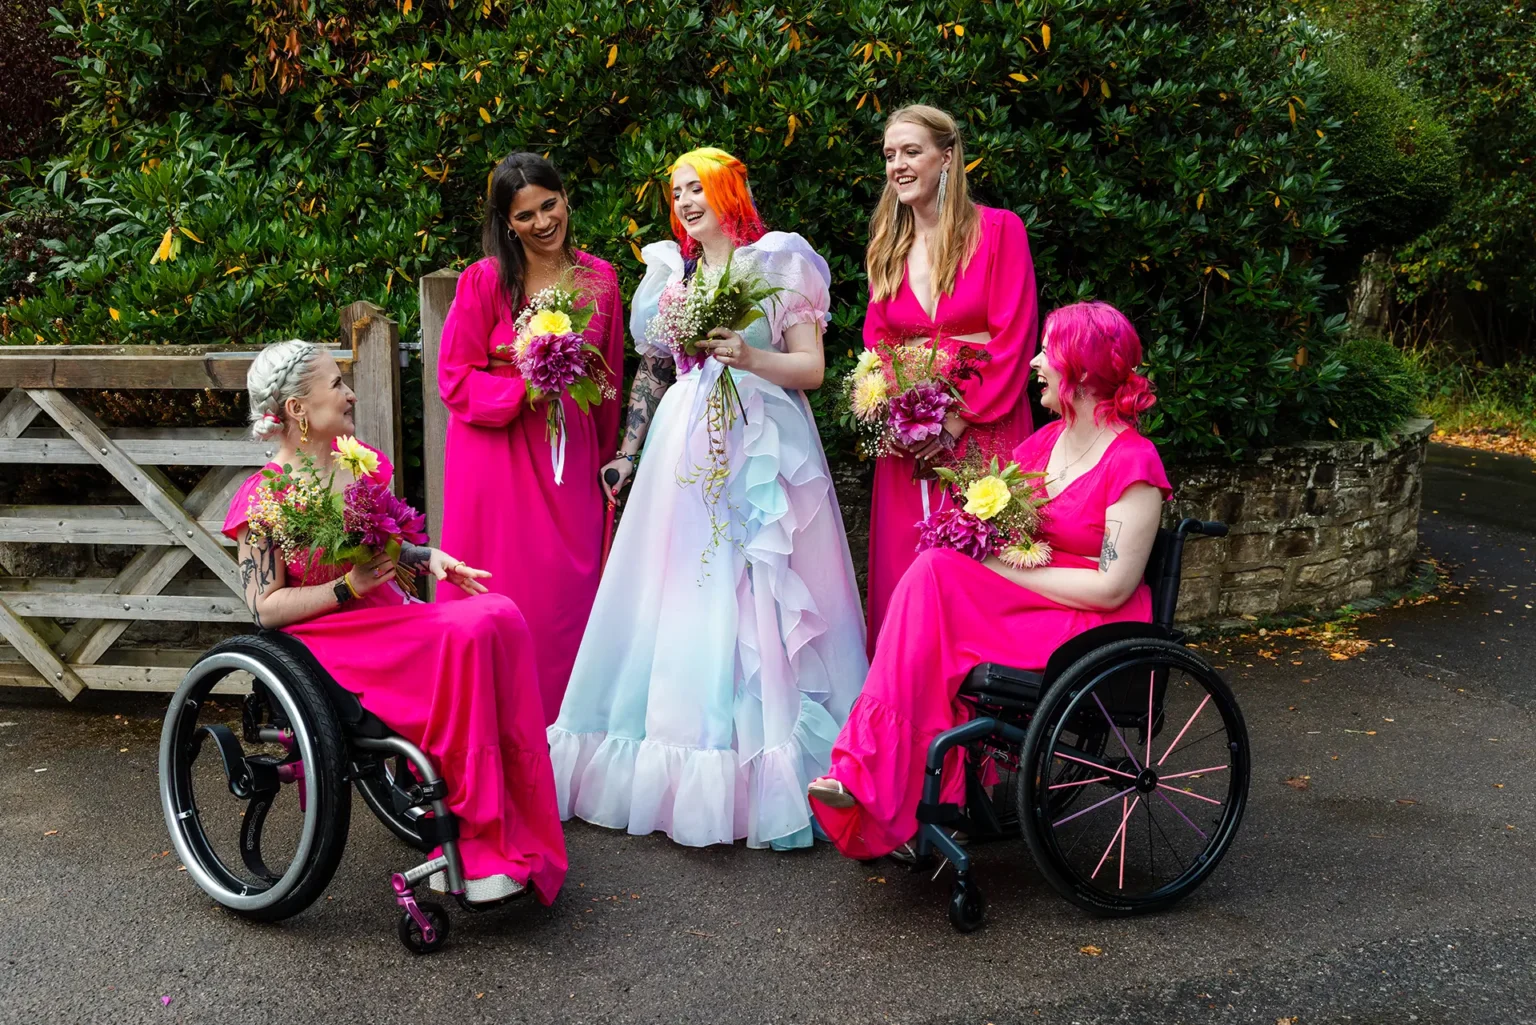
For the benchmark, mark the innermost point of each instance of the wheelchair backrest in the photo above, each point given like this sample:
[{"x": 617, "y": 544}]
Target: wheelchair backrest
[{"x": 1162, "y": 575}]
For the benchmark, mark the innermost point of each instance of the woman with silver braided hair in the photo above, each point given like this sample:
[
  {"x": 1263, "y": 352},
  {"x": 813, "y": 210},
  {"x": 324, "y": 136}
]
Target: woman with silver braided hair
[{"x": 458, "y": 679}]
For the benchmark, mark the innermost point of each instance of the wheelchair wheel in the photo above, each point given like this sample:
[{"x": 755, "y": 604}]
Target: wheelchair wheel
[
  {"x": 270, "y": 852},
  {"x": 380, "y": 788},
  {"x": 1136, "y": 768}
]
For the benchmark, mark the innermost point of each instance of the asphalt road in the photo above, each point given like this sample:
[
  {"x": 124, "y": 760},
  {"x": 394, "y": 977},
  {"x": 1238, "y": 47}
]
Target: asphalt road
[{"x": 1397, "y": 887}]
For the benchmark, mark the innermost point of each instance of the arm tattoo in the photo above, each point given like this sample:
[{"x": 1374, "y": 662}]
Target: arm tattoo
[
  {"x": 655, "y": 376},
  {"x": 1108, "y": 553},
  {"x": 258, "y": 571},
  {"x": 413, "y": 557}
]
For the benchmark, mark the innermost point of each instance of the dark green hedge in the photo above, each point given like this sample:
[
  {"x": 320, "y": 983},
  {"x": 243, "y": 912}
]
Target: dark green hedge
[{"x": 1169, "y": 157}]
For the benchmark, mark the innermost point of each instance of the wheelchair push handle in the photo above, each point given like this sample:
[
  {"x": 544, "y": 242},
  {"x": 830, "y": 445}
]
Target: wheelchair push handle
[{"x": 1205, "y": 528}]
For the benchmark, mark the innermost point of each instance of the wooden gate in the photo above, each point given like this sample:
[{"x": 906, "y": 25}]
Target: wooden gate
[{"x": 41, "y": 424}]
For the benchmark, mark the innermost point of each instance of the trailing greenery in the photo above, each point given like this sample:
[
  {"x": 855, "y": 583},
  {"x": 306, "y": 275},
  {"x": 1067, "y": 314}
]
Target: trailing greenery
[
  {"x": 237, "y": 170},
  {"x": 1385, "y": 386}
]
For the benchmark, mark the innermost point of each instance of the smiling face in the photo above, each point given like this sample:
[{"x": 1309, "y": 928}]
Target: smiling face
[
  {"x": 692, "y": 209},
  {"x": 913, "y": 163},
  {"x": 1049, "y": 377},
  {"x": 539, "y": 217},
  {"x": 327, "y": 404}
]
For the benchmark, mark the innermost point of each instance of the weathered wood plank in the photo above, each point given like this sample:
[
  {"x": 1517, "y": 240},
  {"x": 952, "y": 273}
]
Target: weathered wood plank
[
  {"x": 375, "y": 341},
  {"x": 146, "y": 679},
  {"x": 436, "y": 290},
  {"x": 191, "y": 452},
  {"x": 128, "y": 367},
  {"x": 17, "y": 411},
  {"x": 93, "y": 524},
  {"x": 102, "y": 585},
  {"x": 139, "y": 484},
  {"x": 165, "y": 608},
  {"x": 35, "y": 650}
]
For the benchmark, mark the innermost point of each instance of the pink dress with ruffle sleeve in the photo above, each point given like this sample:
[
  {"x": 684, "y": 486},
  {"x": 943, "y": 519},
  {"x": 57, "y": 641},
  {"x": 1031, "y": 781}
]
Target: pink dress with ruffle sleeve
[
  {"x": 460, "y": 681},
  {"x": 994, "y": 293},
  {"x": 949, "y": 614},
  {"x": 502, "y": 510}
]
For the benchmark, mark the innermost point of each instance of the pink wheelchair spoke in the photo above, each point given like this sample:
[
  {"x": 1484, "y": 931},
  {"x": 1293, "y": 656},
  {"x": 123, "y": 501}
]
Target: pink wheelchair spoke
[
  {"x": 1195, "y": 772},
  {"x": 1119, "y": 837},
  {"x": 1180, "y": 814},
  {"x": 1203, "y": 702},
  {"x": 1188, "y": 793},
  {"x": 1091, "y": 807},
  {"x": 1093, "y": 765},
  {"x": 1078, "y": 783},
  {"x": 1116, "y": 730},
  {"x": 1146, "y": 759}
]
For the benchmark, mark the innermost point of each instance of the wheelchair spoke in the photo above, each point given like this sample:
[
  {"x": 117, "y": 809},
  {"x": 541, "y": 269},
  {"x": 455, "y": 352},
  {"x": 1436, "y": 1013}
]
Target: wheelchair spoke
[
  {"x": 1119, "y": 837},
  {"x": 1078, "y": 783},
  {"x": 1203, "y": 702},
  {"x": 1183, "y": 866},
  {"x": 1093, "y": 765},
  {"x": 1091, "y": 807},
  {"x": 1189, "y": 793},
  {"x": 1116, "y": 730},
  {"x": 1195, "y": 772},
  {"x": 1146, "y": 758},
  {"x": 1181, "y": 815}
]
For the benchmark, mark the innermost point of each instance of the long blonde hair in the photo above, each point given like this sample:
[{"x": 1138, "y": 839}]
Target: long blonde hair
[{"x": 893, "y": 226}]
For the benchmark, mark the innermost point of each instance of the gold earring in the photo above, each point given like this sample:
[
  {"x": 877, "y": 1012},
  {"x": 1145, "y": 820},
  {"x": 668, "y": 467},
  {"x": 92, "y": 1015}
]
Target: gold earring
[{"x": 303, "y": 431}]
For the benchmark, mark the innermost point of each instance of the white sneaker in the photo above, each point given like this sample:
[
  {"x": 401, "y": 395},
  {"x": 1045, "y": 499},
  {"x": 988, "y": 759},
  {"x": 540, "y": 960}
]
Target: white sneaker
[{"x": 481, "y": 891}]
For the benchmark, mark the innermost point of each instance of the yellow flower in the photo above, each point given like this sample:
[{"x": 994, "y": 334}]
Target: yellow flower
[
  {"x": 521, "y": 342},
  {"x": 356, "y": 456},
  {"x": 987, "y": 497},
  {"x": 869, "y": 363},
  {"x": 549, "y": 322},
  {"x": 869, "y": 395}
]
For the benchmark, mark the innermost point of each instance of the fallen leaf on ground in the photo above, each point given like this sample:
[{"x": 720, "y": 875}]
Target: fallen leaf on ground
[
  {"x": 1498, "y": 786},
  {"x": 1406, "y": 800},
  {"x": 1299, "y": 782},
  {"x": 1090, "y": 950},
  {"x": 52, "y": 832},
  {"x": 1285, "y": 1021}
]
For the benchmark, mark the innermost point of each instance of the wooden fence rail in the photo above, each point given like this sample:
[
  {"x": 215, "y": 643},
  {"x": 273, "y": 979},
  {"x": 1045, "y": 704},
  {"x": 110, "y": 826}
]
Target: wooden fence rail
[{"x": 41, "y": 425}]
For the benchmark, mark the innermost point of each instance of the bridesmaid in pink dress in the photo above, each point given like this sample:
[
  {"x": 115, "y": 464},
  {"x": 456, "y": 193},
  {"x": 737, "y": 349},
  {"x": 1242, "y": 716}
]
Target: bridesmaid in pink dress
[
  {"x": 542, "y": 541},
  {"x": 1106, "y": 485},
  {"x": 457, "y": 680},
  {"x": 940, "y": 265}
]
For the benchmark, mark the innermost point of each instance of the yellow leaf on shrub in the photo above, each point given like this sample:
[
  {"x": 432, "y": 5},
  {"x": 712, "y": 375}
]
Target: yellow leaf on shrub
[
  {"x": 960, "y": 30},
  {"x": 1104, "y": 88},
  {"x": 794, "y": 123},
  {"x": 163, "y": 252},
  {"x": 972, "y": 165},
  {"x": 1292, "y": 108},
  {"x": 187, "y": 232},
  {"x": 636, "y": 250},
  {"x": 406, "y": 8},
  {"x": 613, "y": 54},
  {"x": 634, "y": 229},
  {"x": 1224, "y": 274},
  {"x": 1320, "y": 134},
  {"x": 485, "y": 115},
  {"x": 114, "y": 314},
  {"x": 1200, "y": 201},
  {"x": 1045, "y": 35},
  {"x": 1018, "y": 77}
]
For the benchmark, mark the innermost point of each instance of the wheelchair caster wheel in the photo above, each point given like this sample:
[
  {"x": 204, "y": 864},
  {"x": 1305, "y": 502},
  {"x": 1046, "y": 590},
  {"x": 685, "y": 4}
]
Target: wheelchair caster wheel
[
  {"x": 967, "y": 906},
  {"x": 412, "y": 935}
]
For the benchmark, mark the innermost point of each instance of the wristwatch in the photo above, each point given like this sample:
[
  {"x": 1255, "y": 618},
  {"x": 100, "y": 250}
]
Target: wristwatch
[{"x": 343, "y": 591}]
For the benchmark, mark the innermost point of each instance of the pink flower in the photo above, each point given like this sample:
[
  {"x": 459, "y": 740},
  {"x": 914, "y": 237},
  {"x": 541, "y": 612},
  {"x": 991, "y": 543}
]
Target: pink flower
[
  {"x": 959, "y": 530},
  {"x": 917, "y": 414},
  {"x": 378, "y": 515},
  {"x": 551, "y": 363}
]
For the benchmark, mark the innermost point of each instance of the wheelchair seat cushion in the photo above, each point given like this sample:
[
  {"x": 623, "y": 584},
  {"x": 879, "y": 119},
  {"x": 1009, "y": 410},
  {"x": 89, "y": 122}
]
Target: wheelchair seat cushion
[{"x": 355, "y": 719}]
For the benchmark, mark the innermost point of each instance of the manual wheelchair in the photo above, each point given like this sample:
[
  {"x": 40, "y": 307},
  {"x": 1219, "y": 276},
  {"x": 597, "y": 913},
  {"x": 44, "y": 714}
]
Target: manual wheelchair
[
  {"x": 1073, "y": 747},
  {"x": 312, "y": 735}
]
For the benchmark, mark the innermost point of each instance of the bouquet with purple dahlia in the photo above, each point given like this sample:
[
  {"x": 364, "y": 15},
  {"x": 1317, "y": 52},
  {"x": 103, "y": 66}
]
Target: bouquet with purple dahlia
[
  {"x": 899, "y": 392},
  {"x": 555, "y": 359},
  {"x": 1000, "y": 515}
]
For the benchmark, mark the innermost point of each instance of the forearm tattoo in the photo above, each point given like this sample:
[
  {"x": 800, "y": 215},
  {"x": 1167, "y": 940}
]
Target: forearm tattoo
[
  {"x": 414, "y": 557},
  {"x": 258, "y": 571},
  {"x": 1108, "y": 553},
  {"x": 655, "y": 376}
]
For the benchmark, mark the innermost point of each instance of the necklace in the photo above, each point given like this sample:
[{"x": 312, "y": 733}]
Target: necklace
[{"x": 1061, "y": 474}]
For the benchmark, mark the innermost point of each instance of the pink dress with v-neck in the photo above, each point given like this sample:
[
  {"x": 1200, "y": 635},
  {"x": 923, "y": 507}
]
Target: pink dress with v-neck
[
  {"x": 949, "y": 614},
  {"x": 993, "y": 293}
]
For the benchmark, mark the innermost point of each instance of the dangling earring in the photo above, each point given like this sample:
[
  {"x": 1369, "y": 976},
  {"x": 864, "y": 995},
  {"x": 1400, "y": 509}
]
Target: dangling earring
[
  {"x": 943, "y": 187},
  {"x": 303, "y": 431}
]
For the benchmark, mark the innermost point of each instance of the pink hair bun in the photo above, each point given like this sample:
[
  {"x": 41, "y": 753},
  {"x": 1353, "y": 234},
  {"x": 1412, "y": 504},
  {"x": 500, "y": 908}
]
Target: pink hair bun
[{"x": 1095, "y": 347}]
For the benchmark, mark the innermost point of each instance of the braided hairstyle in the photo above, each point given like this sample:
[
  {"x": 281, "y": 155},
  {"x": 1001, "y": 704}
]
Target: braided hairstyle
[{"x": 278, "y": 373}]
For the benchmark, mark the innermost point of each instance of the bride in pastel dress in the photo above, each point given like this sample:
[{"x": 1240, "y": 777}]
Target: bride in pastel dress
[{"x": 726, "y": 644}]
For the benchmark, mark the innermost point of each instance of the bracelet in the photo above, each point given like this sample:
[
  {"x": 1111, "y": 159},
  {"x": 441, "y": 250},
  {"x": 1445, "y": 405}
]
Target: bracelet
[
  {"x": 346, "y": 578},
  {"x": 633, "y": 459}
]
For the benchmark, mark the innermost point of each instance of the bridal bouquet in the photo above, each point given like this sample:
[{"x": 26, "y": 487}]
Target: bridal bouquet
[
  {"x": 1000, "y": 515},
  {"x": 555, "y": 359},
  {"x": 301, "y": 513},
  {"x": 899, "y": 392}
]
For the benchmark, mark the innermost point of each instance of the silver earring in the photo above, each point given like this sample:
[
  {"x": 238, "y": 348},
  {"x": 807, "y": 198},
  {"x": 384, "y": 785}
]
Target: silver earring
[{"x": 943, "y": 186}]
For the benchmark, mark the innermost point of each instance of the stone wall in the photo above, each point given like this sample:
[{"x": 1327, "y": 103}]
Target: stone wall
[{"x": 1313, "y": 526}]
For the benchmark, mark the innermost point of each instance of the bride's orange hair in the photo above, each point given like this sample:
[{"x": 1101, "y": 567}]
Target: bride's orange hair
[{"x": 725, "y": 190}]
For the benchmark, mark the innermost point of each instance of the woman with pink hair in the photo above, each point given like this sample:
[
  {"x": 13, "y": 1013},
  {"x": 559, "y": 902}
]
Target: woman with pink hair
[{"x": 1105, "y": 487}]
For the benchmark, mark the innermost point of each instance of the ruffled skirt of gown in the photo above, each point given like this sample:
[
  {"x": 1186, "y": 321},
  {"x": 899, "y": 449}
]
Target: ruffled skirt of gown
[{"x": 710, "y": 684}]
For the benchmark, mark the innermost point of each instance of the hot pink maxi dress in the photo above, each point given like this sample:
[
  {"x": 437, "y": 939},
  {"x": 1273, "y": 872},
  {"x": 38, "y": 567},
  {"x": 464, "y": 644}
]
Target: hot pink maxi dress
[
  {"x": 460, "y": 682},
  {"x": 994, "y": 293},
  {"x": 949, "y": 614},
  {"x": 502, "y": 510}
]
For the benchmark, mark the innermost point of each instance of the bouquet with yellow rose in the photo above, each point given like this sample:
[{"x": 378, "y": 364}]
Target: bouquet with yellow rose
[
  {"x": 309, "y": 521},
  {"x": 555, "y": 359},
  {"x": 996, "y": 512}
]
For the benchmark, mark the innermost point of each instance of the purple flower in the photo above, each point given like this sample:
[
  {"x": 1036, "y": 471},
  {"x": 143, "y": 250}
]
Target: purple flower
[
  {"x": 917, "y": 414},
  {"x": 377, "y": 515},
  {"x": 551, "y": 363},
  {"x": 958, "y": 529}
]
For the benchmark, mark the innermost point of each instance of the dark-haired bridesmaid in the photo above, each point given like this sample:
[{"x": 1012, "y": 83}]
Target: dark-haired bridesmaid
[{"x": 502, "y": 508}]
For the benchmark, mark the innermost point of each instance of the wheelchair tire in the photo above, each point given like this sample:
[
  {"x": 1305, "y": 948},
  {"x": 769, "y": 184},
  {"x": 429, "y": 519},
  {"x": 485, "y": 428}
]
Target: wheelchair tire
[
  {"x": 378, "y": 789},
  {"x": 1136, "y": 693},
  {"x": 317, "y": 741}
]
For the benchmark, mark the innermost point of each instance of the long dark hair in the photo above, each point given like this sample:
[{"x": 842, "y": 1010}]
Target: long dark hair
[{"x": 496, "y": 235}]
